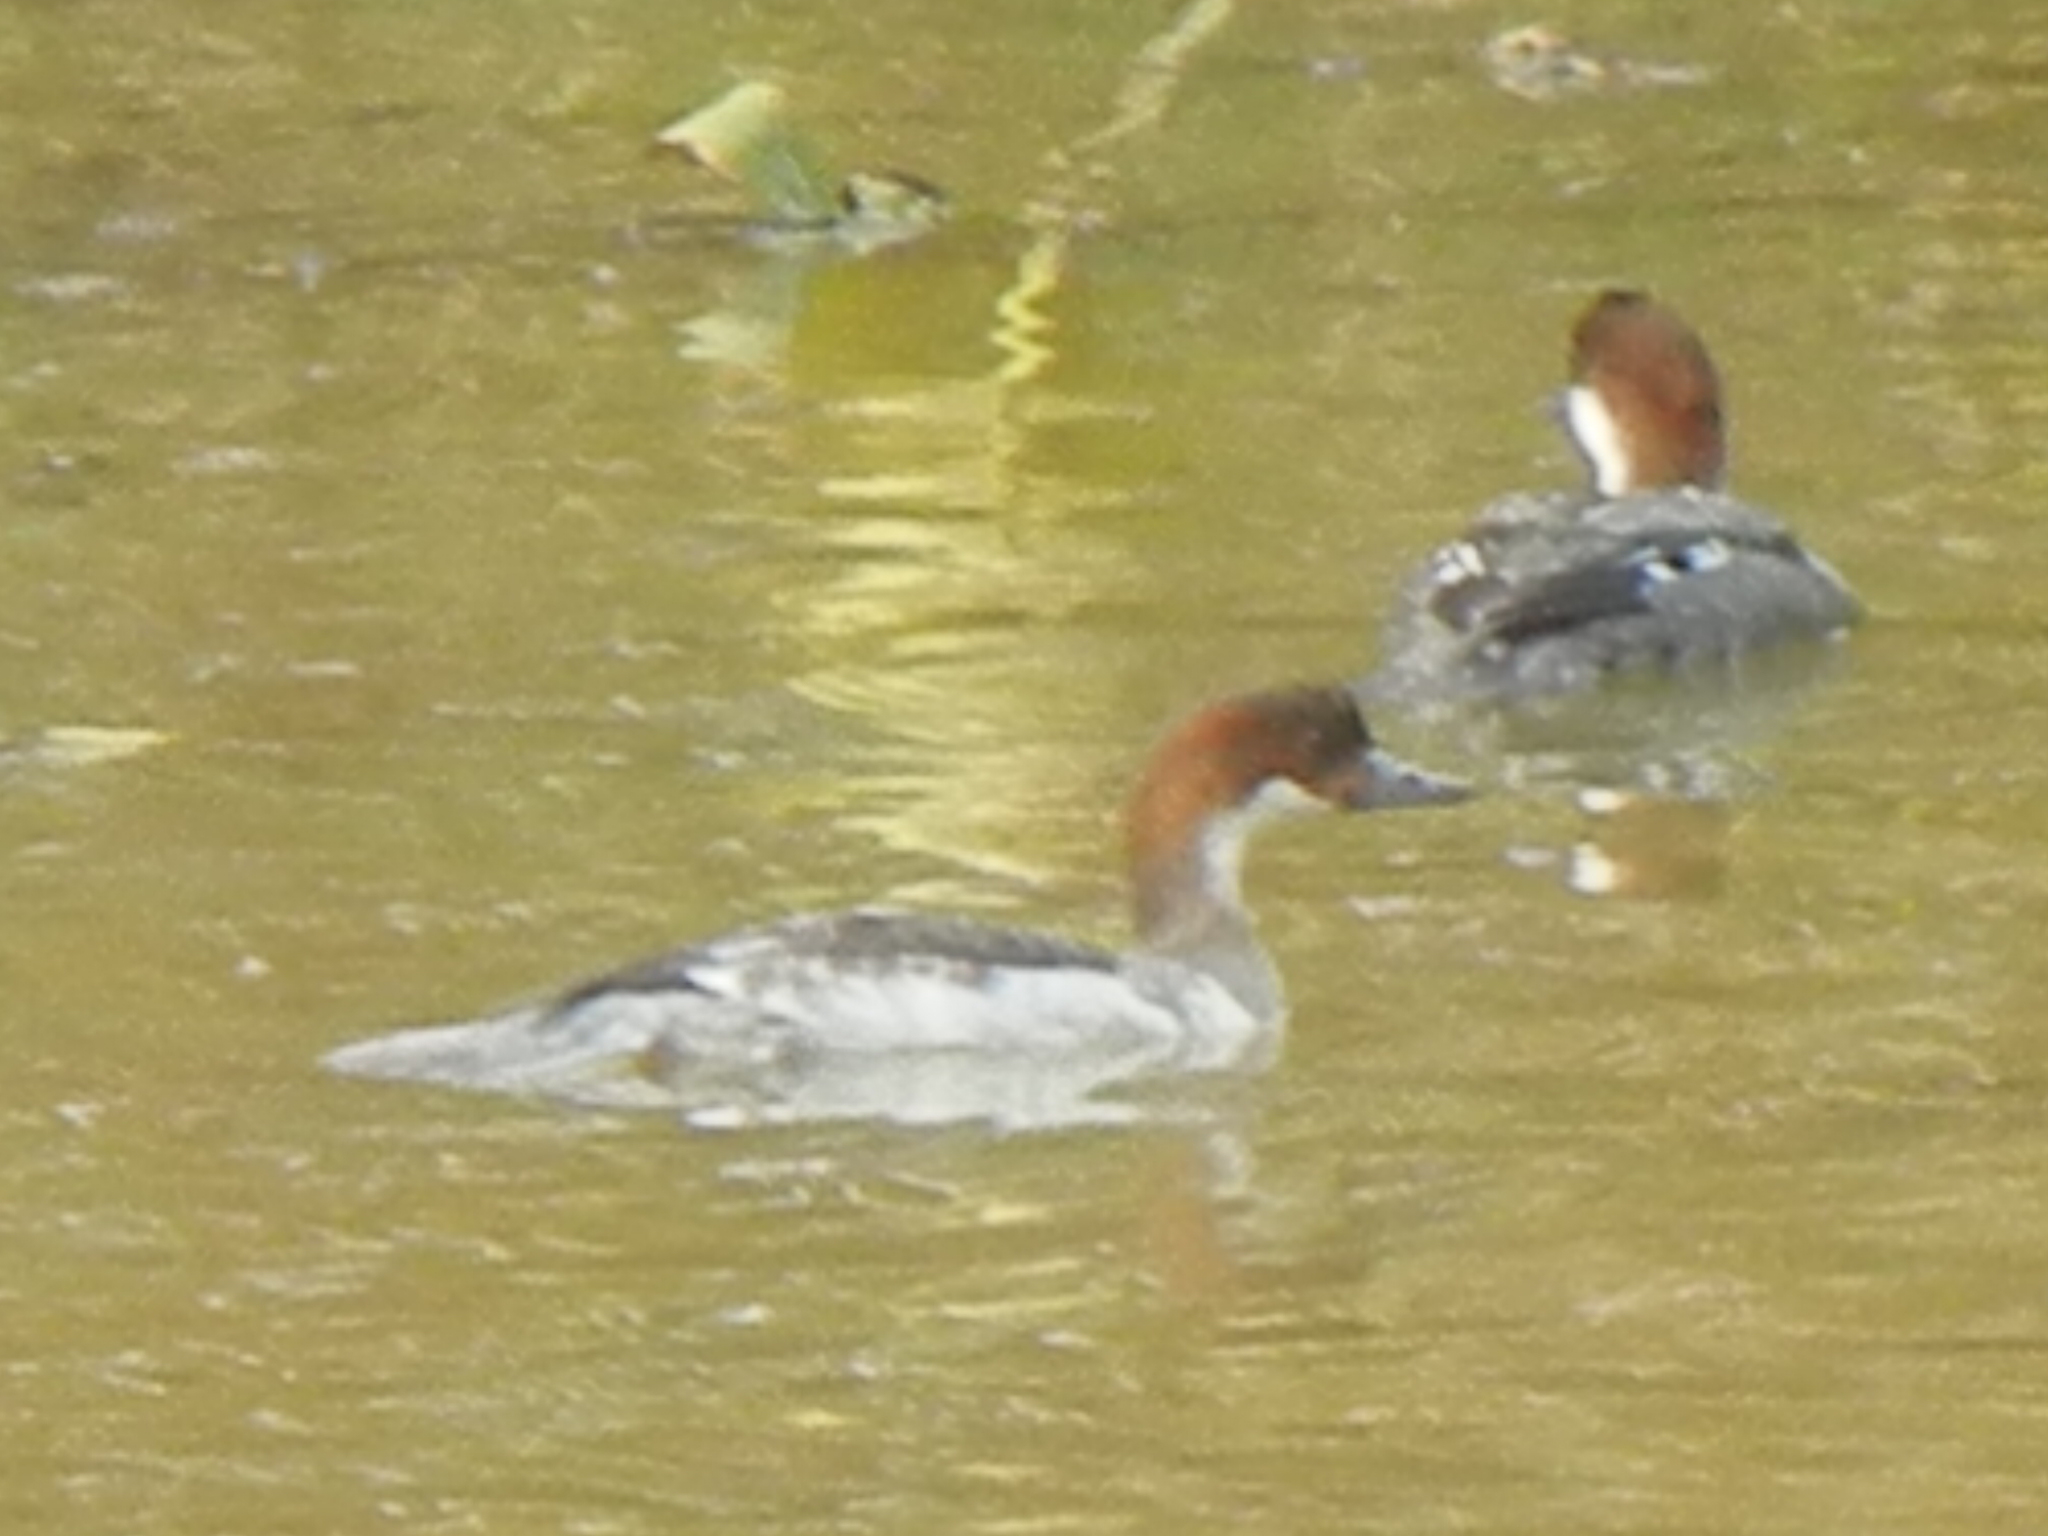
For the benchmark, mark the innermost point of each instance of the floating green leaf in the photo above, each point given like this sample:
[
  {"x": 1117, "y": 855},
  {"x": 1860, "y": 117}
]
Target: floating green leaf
[{"x": 746, "y": 136}]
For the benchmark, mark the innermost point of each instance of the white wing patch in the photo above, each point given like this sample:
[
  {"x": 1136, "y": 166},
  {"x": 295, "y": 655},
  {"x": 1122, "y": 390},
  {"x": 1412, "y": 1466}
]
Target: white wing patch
[
  {"x": 1458, "y": 563},
  {"x": 1695, "y": 559}
]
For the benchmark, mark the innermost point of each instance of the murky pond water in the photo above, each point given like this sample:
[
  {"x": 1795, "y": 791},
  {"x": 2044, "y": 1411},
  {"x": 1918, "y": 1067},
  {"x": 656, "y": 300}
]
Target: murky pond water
[{"x": 359, "y": 434}]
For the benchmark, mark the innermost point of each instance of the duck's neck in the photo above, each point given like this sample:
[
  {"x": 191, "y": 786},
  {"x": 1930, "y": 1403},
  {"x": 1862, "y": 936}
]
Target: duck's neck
[{"x": 1188, "y": 907}]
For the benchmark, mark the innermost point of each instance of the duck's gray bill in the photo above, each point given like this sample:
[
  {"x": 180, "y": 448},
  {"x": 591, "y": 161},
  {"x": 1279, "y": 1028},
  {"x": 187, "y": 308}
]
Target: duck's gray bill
[{"x": 1391, "y": 783}]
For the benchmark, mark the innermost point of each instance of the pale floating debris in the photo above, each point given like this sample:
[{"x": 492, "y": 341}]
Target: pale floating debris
[
  {"x": 137, "y": 228},
  {"x": 325, "y": 669},
  {"x": 73, "y": 287},
  {"x": 1340, "y": 66},
  {"x": 1593, "y": 873},
  {"x": 1649, "y": 847},
  {"x": 227, "y": 460},
  {"x": 1381, "y": 909},
  {"x": 1066, "y": 1340},
  {"x": 1539, "y": 63},
  {"x": 79, "y": 1114},
  {"x": 79, "y": 746},
  {"x": 1528, "y": 856}
]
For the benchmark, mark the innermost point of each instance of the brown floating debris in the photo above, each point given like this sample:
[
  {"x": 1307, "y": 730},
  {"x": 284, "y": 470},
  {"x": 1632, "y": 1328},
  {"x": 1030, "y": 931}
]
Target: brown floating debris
[{"x": 1539, "y": 63}]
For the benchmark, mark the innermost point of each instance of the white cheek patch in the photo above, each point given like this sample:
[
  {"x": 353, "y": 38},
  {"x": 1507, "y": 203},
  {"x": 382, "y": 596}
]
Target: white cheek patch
[{"x": 1593, "y": 429}]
